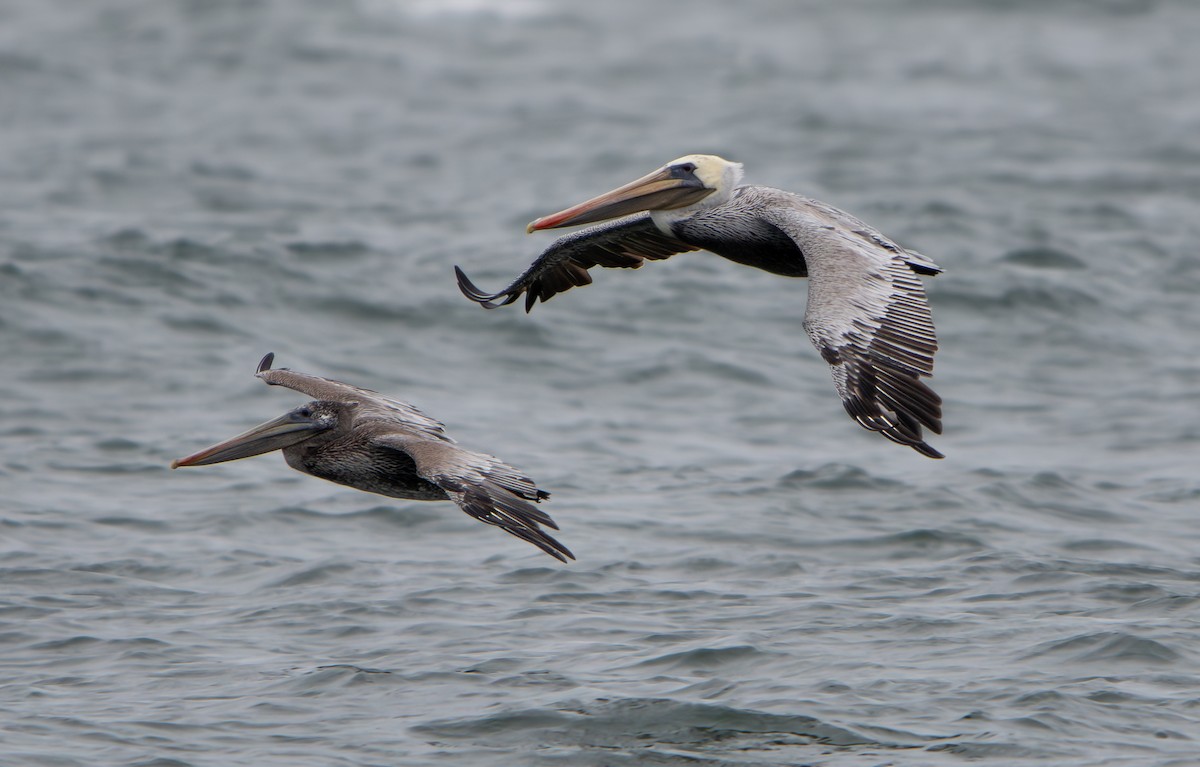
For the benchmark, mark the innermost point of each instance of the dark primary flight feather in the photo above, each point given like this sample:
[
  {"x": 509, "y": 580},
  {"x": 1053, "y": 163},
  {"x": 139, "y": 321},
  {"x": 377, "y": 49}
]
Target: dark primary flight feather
[{"x": 625, "y": 243}]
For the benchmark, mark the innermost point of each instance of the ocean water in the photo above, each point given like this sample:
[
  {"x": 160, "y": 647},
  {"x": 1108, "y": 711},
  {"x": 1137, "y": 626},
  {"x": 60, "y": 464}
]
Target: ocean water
[{"x": 185, "y": 186}]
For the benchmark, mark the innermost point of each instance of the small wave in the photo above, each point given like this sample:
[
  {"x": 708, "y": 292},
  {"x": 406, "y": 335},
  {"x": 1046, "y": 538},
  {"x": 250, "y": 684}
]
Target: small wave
[
  {"x": 350, "y": 667},
  {"x": 342, "y": 249},
  {"x": 997, "y": 753},
  {"x": 1032, "y": 296},
  {"x": 312, "y": 575},
  {"x": 707, "y": 659},
  {"x": 82, "y": 647},
  {"x": 924, "y": 543},
  {"x": 645, "y": 726},
  {"x": 1106, "y": 647},
  {"x": 398, "y": 516},
  {"x": 335, "y": 676},
  {"x": 1043, "y": 258},
  {"x": 358, "y": 308},
  {"x": 1051, "y": 493},
  {"x": 674, "y": 365},
  {"x": 468, "y": 8},
  {"x": 137, "y": 523},
  {"x": 1103, "y": 546},
  {"x": 838, "y": 476}
]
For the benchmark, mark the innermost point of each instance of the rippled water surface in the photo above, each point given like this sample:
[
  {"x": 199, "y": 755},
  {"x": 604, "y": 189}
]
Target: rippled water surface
[{"x": 185, "y": 186}]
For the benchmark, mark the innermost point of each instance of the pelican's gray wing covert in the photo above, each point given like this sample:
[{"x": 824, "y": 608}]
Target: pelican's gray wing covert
[
  {"x": 371, "y": 404},
  {"x": 868, "y": 316}
]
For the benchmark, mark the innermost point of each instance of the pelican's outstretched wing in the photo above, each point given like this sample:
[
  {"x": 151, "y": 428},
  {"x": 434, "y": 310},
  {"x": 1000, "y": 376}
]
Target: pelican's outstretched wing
[
  {"x": 371, "y": 404},
  {"x": 868, "y": 316},
  {"x": 625, "y": 242},
  {"x": 484, "y": 487}
]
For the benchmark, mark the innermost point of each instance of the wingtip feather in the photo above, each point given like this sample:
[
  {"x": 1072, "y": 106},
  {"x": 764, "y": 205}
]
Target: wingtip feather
[
  {"x": 926, "y": 450},
  {"x": 474, "y": 293}
]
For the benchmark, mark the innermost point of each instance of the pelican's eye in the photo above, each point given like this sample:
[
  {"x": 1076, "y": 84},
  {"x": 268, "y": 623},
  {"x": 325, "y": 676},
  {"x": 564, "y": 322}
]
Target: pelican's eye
[
  {"x": 684, "y": 171},
  {"x": 305, "y": 412}
]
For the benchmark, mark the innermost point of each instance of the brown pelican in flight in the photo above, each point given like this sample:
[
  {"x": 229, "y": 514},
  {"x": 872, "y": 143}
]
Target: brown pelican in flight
[
  {"x": 866, "y": 314},
  {"x": 359, "y": 438}
]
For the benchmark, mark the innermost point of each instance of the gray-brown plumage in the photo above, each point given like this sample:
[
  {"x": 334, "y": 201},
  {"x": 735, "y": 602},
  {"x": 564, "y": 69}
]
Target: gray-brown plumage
[
  {"x": 357, "y": 437},
  {"x": 867, "y": 314}
]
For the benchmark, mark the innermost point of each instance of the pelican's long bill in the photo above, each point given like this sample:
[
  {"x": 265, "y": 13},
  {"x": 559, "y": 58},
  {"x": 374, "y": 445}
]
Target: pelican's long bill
[
  {"x": 287, "y": 429},
  {"x": 666, "y": 188}
]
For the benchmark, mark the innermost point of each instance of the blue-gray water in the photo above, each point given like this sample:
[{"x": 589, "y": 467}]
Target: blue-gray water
[{"x": 185, "y": 186}]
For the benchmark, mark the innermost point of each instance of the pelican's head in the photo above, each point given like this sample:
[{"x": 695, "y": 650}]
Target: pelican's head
[
  {"x": 300, "y": 425},
  {"x": 691, "y": 183}
]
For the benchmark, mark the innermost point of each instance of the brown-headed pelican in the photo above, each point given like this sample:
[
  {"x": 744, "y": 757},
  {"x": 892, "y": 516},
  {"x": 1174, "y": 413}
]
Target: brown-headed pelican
[
  {"x": 866, "y": 314},
  {"x": 359, "y": 438}
]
